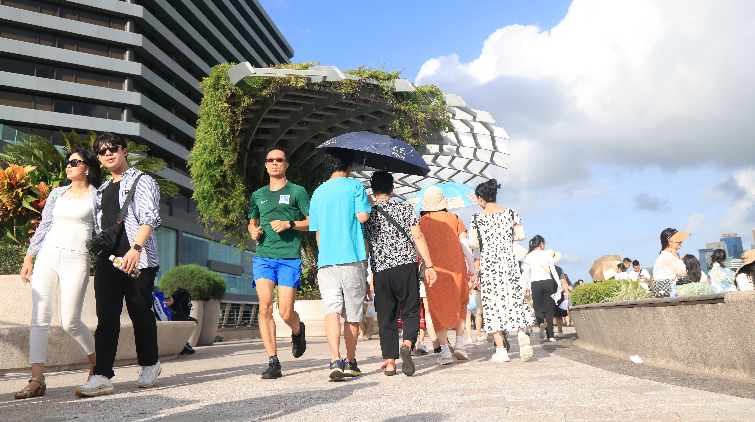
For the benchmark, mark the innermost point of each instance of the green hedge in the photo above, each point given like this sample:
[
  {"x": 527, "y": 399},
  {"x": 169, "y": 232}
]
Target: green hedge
[
  {"x": 12, "y": 259},
  {"x": 201, "y": 283},
  {"x": 608, "y": 291}
]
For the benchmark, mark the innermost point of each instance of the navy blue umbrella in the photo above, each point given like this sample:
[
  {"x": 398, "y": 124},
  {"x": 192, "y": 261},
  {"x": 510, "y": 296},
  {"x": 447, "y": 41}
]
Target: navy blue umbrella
[{"x": 381, "y": 152}]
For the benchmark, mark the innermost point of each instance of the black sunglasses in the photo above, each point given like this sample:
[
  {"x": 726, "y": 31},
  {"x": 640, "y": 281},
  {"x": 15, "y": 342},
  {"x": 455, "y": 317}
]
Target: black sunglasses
[
  {"x": 276, "y": 160},
  {"x": 74, "y": 162},
  {"x": 112, "y": 148}
]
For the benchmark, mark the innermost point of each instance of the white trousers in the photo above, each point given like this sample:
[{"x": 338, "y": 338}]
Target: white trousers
[{"x": 71, "y": 269}]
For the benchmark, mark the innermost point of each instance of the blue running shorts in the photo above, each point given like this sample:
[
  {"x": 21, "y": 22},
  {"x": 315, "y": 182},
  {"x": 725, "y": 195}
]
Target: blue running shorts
[{"x": 283, "y": 272}]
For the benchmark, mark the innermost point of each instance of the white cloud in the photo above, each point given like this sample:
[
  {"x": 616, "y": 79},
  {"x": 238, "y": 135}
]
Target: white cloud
[
  {"x": 695, "y": 223},
  {"x": 740, "y": 208},
  {"x": 622, "y": 83}
]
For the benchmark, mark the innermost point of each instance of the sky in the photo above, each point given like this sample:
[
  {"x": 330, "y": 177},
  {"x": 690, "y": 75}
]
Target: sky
[{"x": 625, "y": 117}]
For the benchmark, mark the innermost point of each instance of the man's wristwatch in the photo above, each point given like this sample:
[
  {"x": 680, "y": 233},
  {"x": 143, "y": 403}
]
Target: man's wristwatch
[
  {"x": 137, "y": 247},
  {"x": 291, "y": 224}
]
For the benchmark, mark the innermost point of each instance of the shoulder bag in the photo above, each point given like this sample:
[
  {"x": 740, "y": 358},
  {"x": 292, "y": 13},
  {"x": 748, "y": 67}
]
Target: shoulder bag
[
  {"x": 395, "y": 224},
  {"x": 104, "y": 243}
]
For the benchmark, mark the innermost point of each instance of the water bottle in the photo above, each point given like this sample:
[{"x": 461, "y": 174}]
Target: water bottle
[
  {"x": 117, "y": 261},
  {"x": 672, "y": 289}
]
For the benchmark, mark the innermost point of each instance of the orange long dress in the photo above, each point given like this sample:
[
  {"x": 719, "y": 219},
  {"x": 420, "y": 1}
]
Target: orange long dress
[{"x": 449, "y": 296}]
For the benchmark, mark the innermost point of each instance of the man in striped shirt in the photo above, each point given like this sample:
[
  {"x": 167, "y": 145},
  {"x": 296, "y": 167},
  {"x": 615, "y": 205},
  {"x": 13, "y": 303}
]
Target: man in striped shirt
[{"x": 138, "y": 247}]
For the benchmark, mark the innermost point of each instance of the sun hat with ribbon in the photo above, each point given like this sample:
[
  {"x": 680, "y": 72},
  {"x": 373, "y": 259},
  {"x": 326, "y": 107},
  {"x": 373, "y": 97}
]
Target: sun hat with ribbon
[
  {"x": 556, "y": 255},
  {"x": 748, "y": 257},
  {"x": 434, "y": 199}
]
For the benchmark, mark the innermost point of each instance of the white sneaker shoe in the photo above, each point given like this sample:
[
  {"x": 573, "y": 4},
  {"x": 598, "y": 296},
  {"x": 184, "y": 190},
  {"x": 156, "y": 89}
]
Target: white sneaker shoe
[
  {"x": 499, "y": 357},
  {"x": 445, "y": 358},
  {"x": 148, "y": 375},
  {"x": 96, "y": 385},
  {"x": 480, "y": 339},
  {"x": 460, "y": 353},
  {"x": 559, "y": 335},
  {"x": 469, "y": 340},
  {"x": 420, "y": 349}
]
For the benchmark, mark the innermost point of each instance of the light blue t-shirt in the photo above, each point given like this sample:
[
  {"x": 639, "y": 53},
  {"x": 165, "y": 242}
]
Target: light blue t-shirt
[{"x": 332, "y": 212}]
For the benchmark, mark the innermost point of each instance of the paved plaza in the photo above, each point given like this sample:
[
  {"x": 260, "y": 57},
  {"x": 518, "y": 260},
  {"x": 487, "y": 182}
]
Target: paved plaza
[{"x": 222, "y": 382}]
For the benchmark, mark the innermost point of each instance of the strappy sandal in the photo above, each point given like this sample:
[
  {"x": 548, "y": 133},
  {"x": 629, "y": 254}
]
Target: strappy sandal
[
  {"x": 386, "y": 371},
  {"x": 28, "y": 393}
]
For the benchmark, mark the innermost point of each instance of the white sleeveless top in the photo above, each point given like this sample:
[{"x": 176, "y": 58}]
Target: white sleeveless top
[{"x": 72, "y": 224}]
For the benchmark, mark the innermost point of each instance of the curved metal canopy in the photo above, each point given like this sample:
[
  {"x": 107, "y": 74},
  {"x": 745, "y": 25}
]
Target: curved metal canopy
[{"x": 297, "y": 117}]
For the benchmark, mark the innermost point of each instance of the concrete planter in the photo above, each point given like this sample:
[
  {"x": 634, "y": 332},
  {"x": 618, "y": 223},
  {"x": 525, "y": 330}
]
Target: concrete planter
[
  {"x": 697, "y": 334},
  {"x": 208, "y": 328},
  {"x": 197, "y": 312},
  {"x": 311, "y": 314}
]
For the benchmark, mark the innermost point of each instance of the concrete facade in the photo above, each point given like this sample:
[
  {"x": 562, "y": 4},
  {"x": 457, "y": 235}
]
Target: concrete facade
[
  {"x": 690, "y": 334},
  {"x": 130, "y": 67}
]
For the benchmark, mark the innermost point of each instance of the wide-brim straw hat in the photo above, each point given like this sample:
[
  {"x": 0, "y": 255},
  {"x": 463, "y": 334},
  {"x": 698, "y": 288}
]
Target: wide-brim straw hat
[
  {"x": 556, "y": 255},
  {"x": 434, "y": 199},
  {"x": 748, "y": 257}
]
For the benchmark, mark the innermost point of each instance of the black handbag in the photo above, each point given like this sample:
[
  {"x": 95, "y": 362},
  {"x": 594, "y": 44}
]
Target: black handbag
[{"x": 105, "y": 241}]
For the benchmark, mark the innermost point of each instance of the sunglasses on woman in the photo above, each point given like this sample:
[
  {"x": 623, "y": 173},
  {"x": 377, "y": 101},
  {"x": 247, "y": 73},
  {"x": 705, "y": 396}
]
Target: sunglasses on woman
[
  {"x": 275, "y": 160},
  {"x": 112, "y": 148},
  {"x": 74, "y": 162}
]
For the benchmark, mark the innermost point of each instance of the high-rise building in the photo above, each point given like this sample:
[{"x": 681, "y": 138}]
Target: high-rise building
[
  {"x": 733, "y": 243},
  {"x": 705, "y": 258},
  {"x": 133, "y": 67}
]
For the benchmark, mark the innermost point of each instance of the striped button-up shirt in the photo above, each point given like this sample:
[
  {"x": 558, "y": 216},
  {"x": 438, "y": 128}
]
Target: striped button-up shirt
[{"x": 144, "y": 209}]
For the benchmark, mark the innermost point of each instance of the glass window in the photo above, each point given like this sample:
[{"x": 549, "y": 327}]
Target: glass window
[
  {"x": 68, "y": 12},
  {"x": 181, "y": 203},
  {"x": 94, "y": 18},
  {"x": 16, "y": 66},
  {"x": 48, "y": 40},
  {"x": 118, "y": 23},
  {"x": 62, "y": 106},
  {"x": 116, "y": 82},
  {"x": 142, "y": 120},
  {"x": 48, "y": 8},
  {"x": 18, "y": 34},
  {"x": 45, "y": 71},
  {"x": 65, "y": 74},
  {"x": 91, "y": 110},
  {"x": 43, "y": 103},
  {"x": 90, "y": 78},
  {"x": 167, "y": 248},
  {"x": 44, "y": 133},
  {"x": 159, "y": 128},
  {"x": 32, "y": 6},
  {"x": 195, "y": 249},
  {"x": 114, "y": 113},
  {"x": 117, "y": 52},
  {"x": 16, "y": 99},
  {"x": 67, "y": 43},
  {"x": 93, "y": 48}
]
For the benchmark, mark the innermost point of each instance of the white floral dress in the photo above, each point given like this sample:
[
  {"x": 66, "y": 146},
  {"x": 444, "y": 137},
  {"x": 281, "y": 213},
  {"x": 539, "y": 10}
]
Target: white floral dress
[{"x": 503, "y": 302}]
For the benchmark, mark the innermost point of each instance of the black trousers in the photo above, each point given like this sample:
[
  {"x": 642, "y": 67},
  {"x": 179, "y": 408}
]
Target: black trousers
[
  {"x": 111, "y": 286},
  {"x": 397, "y": 290},
  {"x": 543, "y": 303}
]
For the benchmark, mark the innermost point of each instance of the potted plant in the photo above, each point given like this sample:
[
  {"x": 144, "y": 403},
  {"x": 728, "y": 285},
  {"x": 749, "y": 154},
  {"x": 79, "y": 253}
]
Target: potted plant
[{"x": 206, "y": 288}]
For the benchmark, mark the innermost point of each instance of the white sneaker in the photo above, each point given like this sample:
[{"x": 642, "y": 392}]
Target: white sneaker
[
  {"x": 420, "y": 349},
  {"x": 559, "y": 335},
  {"x": 460, "y": 353},
  {"x": 148, "y": 375},
  {"x": 469, "y": 340},
  {"x": 480, "y": 339},
  {"x": 96, "y": 385},
  {"x": 445, "y": 358},
  {"x": 499, "y": 357},
  {"x": 542, "y": 331}
]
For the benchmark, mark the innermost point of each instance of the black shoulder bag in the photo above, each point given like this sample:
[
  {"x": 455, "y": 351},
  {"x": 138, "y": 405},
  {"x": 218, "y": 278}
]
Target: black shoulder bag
[
  {"x": 104, "y": 242},
  {"x": 401, "y": 230}
]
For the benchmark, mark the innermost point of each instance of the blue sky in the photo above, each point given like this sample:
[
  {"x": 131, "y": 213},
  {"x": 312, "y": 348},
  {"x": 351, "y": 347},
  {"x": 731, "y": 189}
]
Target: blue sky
[{"x": 625, "y": 117}]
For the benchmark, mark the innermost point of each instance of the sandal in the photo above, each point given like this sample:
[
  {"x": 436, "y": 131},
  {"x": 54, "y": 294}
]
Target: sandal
[
  {"x": 386, "y": 371},
  {"x": 28, "y": 393}
]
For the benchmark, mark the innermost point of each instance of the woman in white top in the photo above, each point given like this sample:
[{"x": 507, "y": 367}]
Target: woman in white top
[
  {"x": 540, "y": 277},
  {"x": 668, "y": 266},
  {"x": 746, "y": 273},
  {"x": 62, "y": 258}
]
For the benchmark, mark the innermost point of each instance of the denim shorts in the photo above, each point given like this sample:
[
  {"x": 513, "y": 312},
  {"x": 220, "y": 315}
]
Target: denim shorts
[{"x": 283, "y": 272}]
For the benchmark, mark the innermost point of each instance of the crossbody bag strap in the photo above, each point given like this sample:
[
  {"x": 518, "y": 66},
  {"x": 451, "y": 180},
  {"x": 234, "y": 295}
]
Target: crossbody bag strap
[
  {"x": 127, "y": 202},
  {"x": 479, "y": 232},
  {"x": 393, "y": 222}
]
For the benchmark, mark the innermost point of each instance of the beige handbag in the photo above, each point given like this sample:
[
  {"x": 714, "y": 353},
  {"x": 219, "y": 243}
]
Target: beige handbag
[{"x": 518, "y": 231}]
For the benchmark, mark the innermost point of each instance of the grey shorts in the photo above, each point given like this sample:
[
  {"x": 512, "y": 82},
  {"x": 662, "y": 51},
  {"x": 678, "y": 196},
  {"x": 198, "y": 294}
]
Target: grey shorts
[{"x": 342, "y": 288}]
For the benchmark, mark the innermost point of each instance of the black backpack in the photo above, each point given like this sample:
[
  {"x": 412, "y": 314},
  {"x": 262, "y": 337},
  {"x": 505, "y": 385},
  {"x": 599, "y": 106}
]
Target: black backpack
[{"x": 181, "y": 305}]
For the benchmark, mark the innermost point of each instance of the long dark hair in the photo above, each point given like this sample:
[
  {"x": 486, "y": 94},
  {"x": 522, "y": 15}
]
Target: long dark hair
[
  {"x": 694, "y": 272},
  {"x": 535, "y": 242},
  {"x": 665, "y": 236},
  {"x": 93, "y": 166}
]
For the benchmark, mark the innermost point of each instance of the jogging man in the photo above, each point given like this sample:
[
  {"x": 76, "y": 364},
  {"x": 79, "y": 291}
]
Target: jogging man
[
  {"x": 277, "y": 213},
  {"x": 138, "y": 247}
]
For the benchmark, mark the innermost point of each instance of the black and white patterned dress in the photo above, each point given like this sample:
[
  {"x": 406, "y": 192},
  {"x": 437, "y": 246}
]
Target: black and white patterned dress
[{"x": 503, "y": 302}]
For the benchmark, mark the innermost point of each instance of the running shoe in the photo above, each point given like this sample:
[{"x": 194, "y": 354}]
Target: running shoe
[
  {"x": 272, "y": 372},
  {"x": 350, "y": 369},
  {"x": 96, "y": 385},
  {"x": 148, "y": 375},
  {"x": 188, "y": 350},
  {"x": 559, "y": 335},
  {"x": 445, "y": 358},
  {"x": 501, "y": 357},
  {"x": 336, "y": 370},
  {"x": 407, "y": 364},
  {"x": 420, "y": 349},
  {"x": 460, "y": 353},
  {"x": 299, "y": 342}
]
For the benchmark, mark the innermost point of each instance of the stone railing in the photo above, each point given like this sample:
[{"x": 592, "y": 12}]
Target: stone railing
[
  {"x": 62, "y": 351},
  {"x": 708, "y": 334}
]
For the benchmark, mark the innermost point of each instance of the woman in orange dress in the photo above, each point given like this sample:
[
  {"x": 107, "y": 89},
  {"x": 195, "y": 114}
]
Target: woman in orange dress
[{"x": 447, "y": 299}]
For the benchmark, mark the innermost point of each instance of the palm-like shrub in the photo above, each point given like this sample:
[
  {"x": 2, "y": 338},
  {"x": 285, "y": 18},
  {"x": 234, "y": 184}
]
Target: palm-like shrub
[
  {"x": 201, "y": 283},
  {"x": 608, "y": 291}
]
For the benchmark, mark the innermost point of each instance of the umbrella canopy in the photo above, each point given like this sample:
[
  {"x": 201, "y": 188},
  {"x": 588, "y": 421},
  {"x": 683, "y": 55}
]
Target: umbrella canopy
[
  {"x": 458, "y": 195},
  {"x": 519, "y": 251},
  {"x": 604, "y": 267},
  {"x": 381, "y": 152}
]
